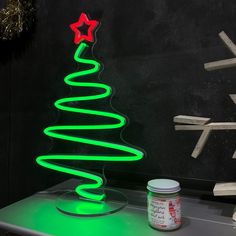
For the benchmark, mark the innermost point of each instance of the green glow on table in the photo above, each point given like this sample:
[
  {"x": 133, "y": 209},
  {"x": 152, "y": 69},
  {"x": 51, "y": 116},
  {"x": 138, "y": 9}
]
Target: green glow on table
[
  {"x": 131, "y": 154},
  {"x": 39, "y": 213}
]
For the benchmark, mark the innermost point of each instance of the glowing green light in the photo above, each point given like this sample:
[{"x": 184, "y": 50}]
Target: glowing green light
[{"x": 132, "y": 154}]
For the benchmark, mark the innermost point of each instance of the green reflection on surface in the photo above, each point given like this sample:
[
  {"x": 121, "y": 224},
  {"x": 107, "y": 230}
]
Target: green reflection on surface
[{"x": 38, "y": 213}]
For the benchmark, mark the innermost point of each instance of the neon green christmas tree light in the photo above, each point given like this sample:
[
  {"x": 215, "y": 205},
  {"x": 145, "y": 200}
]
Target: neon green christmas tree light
[{"x": 64, "y": 104}]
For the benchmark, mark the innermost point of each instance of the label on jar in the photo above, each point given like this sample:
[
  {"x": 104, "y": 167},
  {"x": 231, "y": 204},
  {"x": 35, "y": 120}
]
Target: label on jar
[{"x": 164, "y": 213}]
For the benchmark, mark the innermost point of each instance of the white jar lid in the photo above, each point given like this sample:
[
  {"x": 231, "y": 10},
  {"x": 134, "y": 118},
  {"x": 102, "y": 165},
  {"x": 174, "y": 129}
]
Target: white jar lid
[{"x": 163, "y": 186}]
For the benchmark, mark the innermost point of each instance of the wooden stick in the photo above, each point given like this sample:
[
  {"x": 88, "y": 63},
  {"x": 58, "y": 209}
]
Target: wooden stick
[
  {"x": 225, "y": 189},
  {"x": 227, "y": 63},
  {"x": 222, "y": 125},
  {"x": 189, "y": 127},
  {"x": 227, "y": 41},
  {"x": 216, "y": 65},
  {"x": 212, "y": 126},
  {"x": 234, "y": 215},
  {"x": 201, "y": 142},
  {"x": 234, "y": 156},
  {"x": 233, "y": 97},
  {"x": 207, "y": 128},
  {"x": 196, "y": 120}
]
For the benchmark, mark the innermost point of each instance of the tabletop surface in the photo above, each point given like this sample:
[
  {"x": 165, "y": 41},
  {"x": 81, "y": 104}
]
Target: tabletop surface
[{"x": 37, "y": 215}]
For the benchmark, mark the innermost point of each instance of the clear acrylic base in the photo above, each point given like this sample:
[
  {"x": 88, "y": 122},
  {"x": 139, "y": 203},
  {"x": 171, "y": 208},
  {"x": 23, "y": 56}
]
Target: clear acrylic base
[{"x": 71, "y": 203}]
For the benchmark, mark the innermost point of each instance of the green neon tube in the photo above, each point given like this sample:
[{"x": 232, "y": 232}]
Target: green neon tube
[{"x": 131, "y": 154}]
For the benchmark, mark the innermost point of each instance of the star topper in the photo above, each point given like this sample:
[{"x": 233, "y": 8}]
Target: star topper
[{"x": 79, "y": 36}]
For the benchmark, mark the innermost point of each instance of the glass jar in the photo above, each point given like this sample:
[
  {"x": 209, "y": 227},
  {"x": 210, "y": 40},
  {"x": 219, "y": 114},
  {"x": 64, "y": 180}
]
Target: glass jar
[{"x": 164, "y": 208}]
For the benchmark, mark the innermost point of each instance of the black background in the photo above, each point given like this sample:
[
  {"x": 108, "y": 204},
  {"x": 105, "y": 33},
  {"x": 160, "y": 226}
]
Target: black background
[{"x": 153, "y": 53}]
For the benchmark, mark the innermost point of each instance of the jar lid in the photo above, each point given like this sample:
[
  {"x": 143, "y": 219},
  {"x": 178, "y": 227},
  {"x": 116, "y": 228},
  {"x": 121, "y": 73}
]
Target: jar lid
[{"x": 163, "y": 186}]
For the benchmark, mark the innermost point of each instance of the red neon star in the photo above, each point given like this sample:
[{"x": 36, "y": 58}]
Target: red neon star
[{"x": 83, "y": 19}]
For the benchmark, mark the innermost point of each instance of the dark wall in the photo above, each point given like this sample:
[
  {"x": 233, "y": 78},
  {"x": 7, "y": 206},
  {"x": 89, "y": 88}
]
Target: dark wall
[{"x": 153, "y": 53}]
